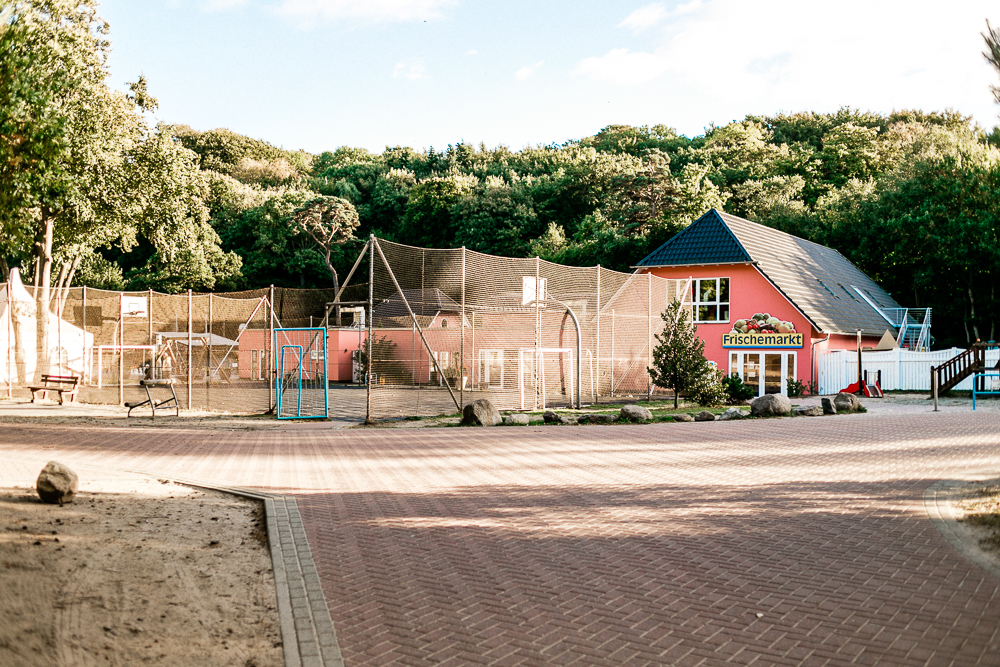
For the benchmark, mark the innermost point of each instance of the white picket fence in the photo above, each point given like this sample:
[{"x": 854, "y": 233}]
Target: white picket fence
[{"x": 901, "y": 369}]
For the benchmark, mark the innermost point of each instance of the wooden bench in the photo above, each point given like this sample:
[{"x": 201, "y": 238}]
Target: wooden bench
[
  {"x": 170, "y": 402},
  {"x": 62, "y": 384}
]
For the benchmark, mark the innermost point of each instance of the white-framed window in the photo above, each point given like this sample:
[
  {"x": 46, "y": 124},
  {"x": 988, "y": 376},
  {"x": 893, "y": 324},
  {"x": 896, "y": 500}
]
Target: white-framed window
[{"x": 711, "y": 299}]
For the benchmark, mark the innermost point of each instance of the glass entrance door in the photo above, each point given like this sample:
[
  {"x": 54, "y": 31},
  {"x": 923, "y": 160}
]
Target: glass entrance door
[{"x": 766, "y": 372}]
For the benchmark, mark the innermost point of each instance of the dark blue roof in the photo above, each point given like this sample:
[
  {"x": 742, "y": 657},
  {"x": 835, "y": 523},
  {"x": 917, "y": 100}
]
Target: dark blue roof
[{"x": 707, "y": 240}]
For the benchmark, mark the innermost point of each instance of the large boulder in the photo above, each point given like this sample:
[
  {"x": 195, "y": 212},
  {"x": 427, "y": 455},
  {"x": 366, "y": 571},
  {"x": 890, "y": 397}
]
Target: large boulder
[
  {"x": 732, "y": 413},
  {"x": 704, "y": 416},
  {"x": 516, "y": 419},
  {"x": 57, "y": 484},
  {"x": 770, "y": 405},
  {"x": 481, "y": 413},
  {"x": 807, "y": 411},
  {"x": 828, "y": 407},
  {"x": 634, "y": 413},
  {"x": 597, "y": 418},
  {"x": 683, "y": 417},
  {"x": 555, "y": 418},
  {"x": 846, "y": 402}
]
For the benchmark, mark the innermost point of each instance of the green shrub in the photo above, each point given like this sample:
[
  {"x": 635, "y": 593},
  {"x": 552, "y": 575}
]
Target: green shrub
[
  {"x": 736, "y": 391},
  {"x": 708, "y": 389}
]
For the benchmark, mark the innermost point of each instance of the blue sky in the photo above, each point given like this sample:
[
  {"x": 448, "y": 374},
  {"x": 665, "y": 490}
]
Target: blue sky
[{"x": 317, "y": 74}]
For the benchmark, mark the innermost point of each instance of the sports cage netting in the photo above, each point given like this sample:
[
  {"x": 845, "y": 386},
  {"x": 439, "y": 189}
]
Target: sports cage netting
[{"x": 443, "y": 327}]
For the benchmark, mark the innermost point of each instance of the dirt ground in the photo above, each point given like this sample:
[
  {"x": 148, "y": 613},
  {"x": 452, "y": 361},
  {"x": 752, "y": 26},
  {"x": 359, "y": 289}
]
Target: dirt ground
[{"x": 135, "y": 571}]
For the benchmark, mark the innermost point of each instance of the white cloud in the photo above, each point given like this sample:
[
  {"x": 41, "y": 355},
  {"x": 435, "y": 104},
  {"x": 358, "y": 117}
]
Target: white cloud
[
  {"x": 771, "y": 55},
  {"x": 410, "y": 69},
  {"x": 644, "y": 17},
  {"x": 222, "y": 5},
  {"x": 527, "y": 71},
  {"x": 471, "y": 52},
  {"x": 620, "y": 66},
  {"x": 379, "y": 11}
]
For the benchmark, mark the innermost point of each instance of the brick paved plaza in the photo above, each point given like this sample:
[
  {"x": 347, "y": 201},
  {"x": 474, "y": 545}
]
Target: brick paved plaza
[{"x": 636, "y": 545}]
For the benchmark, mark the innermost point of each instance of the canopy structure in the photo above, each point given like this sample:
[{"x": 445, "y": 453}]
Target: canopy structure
[{"x": 68, "y": 346}]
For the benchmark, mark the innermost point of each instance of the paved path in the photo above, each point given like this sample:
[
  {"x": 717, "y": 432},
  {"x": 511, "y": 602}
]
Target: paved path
[{"x": 636, "y": 545}]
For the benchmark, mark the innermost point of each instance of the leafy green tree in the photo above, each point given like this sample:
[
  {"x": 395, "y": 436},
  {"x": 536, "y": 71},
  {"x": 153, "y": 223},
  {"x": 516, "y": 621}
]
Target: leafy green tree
[
  {"x": 498, "y": 218},
  {"x": 679, "y": 362},
  {"x": 428, "y": 220}
]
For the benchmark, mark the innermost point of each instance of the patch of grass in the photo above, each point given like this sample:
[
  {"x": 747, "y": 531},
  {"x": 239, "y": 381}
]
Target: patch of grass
[{"x": 984, "y": 512}]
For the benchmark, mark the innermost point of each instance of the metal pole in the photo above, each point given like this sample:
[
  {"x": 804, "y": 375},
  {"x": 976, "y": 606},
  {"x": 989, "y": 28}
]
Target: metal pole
[
  {"x": 83, "y": 363},
  {"x": 649, "y": 335},
  {"x": 461, "y": 356},
  {"x": 597, "y": 386},
  {"x": 190, "y": 359},
  {"x": 611, "y": 387},
  {"x": 413, "y": 317},
  {"x": 538, "y": 337},
  {"x": 371, "y": 307},
  {"x": 208, "y": 359},
  {"x": 149, "y": 315},
  {"x": 10, "y": 337},
  {"x": 121, "y": 349},
  {"x": 272, "y": 359}
]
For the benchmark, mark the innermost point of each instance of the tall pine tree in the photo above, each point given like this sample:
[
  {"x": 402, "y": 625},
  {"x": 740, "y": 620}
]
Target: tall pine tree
[{"x": 679, "y": 357}]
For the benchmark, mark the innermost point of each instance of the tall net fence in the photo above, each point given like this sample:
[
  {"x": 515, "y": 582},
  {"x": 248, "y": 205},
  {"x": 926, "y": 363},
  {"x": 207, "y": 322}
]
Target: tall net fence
[
  {"x": 216, "y": 348},
  {"x": 450, "y": 326},
  {"x": 441, "y": 328}
]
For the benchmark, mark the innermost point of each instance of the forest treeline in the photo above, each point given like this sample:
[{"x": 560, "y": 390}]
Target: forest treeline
[{"x": 91, "y": 192}]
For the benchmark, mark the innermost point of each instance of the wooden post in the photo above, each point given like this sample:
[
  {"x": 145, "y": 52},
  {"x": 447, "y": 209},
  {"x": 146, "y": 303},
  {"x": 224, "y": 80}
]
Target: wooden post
[
  {"x": 190, "y": 359},
  {"x": 83, "y": 363},
  {"x": 934, "y": 386},
  {"x": 861, "y": 390}
]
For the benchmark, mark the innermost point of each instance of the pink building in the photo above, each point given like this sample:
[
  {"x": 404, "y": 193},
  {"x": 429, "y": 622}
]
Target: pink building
[{"x": 766, "y": 302}]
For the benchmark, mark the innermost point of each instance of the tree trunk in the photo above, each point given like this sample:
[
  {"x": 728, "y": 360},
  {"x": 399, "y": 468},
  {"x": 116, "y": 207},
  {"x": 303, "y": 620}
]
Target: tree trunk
[
  {"x": 972, "y": 314},
  {"x": 43, "y": 291},
  {"x": 4, "y": 269},
  {"x": 336, "y": 286}
]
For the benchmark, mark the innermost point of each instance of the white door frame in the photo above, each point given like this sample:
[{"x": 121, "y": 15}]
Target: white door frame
[{"x": 789, "y": 361}]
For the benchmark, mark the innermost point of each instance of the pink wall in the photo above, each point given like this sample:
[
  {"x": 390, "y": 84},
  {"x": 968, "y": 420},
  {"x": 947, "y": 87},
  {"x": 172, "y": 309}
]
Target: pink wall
[
  {"x": 340, "y": 344},
  {"x": 749, "y": 293}
]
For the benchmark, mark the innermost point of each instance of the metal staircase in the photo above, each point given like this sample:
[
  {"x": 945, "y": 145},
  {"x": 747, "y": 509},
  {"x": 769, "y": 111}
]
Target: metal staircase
[{"x": 914, "y": 325}]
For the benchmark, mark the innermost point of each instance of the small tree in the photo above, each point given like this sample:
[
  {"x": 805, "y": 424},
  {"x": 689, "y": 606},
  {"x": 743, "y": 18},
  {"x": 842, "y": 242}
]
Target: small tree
[
  {"x": 329, "y": 221},
  {"x": 679, "y": 357}
]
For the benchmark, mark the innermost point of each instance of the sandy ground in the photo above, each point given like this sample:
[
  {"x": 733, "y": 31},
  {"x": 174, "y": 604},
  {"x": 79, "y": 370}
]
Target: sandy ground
[
  {"x": 135, "y": 571},
  {"x": 23, "y": 411}
]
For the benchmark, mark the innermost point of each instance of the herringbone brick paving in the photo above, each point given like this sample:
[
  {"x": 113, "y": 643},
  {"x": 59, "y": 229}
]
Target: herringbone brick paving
[{"x": 637, "y": 545}]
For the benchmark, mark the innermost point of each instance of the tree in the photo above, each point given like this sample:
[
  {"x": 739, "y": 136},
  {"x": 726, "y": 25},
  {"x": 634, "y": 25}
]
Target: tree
[
  {"x": 330, "y": 221},
  {"x": 992, "y": 54},
  {"x": 679, "y": 361}
]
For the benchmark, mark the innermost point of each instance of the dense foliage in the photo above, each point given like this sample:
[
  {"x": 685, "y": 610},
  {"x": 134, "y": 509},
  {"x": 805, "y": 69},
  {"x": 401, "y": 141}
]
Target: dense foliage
[{"x": 88, "y": 185}]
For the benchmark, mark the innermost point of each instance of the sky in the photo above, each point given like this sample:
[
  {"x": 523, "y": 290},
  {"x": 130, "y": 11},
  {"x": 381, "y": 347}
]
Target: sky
[{"x": 319, "y": 74}]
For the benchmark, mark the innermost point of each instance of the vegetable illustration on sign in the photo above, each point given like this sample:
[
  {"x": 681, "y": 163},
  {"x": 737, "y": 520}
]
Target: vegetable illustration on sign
[{"x": 762, "y": 330}]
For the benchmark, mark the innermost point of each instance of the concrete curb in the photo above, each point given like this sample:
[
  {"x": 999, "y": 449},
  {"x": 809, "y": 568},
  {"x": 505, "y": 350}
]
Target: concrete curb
[
  {"x": 939, "y": 501},
  {"x": 308, "y": 638}
]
